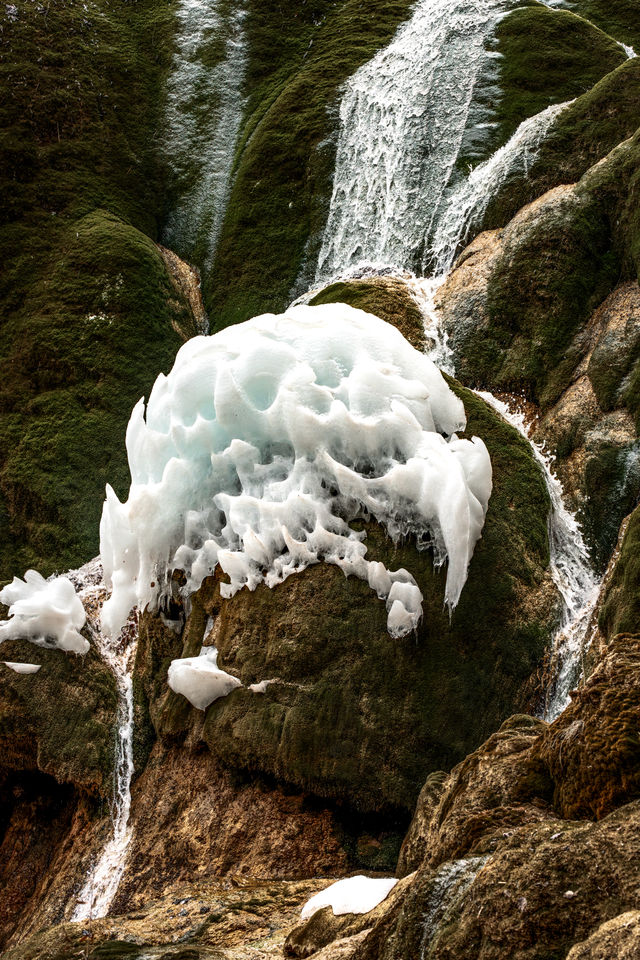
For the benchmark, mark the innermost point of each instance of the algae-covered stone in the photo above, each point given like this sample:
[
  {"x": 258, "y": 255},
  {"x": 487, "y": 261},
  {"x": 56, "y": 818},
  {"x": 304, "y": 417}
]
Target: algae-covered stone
[
  {"x": 620, "y": 609},
  {"x": 351, "y": 713},
  {"x": 60, "y": 720},
  {"x": 386, "y": 297},
  {"x": 89, "y": 311},
  {"x": 279, "y": 200}
]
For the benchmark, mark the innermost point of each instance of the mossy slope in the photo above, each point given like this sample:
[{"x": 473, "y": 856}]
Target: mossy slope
[{"x": 88, "y": 309}]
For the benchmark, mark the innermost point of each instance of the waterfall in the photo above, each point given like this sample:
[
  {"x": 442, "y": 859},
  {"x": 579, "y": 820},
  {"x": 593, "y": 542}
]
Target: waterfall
[
  {"x": 402, "y": 119},
  {"x": 466, "y": 206},
  {"x": 569, "y": 564},
  {"x": 202, "y": 121},
  {"x": 571, "y": 572},
  {"x": 102, "y": 883}
]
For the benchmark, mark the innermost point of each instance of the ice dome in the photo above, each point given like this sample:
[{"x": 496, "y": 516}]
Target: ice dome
[{"x": 267, "y": 440}]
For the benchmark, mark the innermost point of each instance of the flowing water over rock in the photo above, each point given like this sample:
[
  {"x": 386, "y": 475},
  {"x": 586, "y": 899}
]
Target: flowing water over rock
[
  {"x": 571, "y": 572},
  {"x": 202, "y": 121},
  {"x": 104, "y": 878},
  {"x": 466, "y": 206},
  {"x": 402, "y": 121},
  {"x": 449, "y": 885}
]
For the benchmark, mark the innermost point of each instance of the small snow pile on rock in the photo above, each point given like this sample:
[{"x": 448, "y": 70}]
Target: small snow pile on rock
[
  {"x": 200, "y": 680},
  {"x": 25, "y": 668},
  {"x": 49, "y": 613},
  {"x": 267, "y": 440},
  {"x": 353, "y": 895}
]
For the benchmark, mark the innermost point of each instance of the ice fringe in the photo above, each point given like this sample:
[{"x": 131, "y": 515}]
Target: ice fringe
[{"x": 268, "y": 439}]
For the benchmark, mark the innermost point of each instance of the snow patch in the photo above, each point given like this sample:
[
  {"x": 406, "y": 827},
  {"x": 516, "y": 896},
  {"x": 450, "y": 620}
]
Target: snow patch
[
  {"x": 267, "y": 440},
  {"x": 49, "y": 613},
  {"x": 200, "y": 680},
  {"x": 353, "y": 895},
  {"x": 25, "y": 668}
]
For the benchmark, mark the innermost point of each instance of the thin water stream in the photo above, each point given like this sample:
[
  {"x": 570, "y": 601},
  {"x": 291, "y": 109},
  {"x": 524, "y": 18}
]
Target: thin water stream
[{"x": 102, "y": 882}]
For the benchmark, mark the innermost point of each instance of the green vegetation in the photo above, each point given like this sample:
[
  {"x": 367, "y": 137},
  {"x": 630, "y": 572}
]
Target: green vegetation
[
  {"x": 620, "y": 19},
  {"x": 61, "y": 720},
  {"x": 620, "y": 611},
  {"x": 386, "y": 298},
  {"x": 548, "y": 56},
  {"x": 88, "y": 310},
  {"x": 582, "y": 135},
  {"x": 285, "y": 164}
]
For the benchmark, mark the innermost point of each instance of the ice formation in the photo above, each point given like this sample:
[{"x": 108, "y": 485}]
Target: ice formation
[
  {"x": 200, "y": 680},
  {"x": 49, "y": 613},
  {"x": 268, "y": 439},
  {"x": 352, "y": 895},
  {"x": 25, "y": 668}
]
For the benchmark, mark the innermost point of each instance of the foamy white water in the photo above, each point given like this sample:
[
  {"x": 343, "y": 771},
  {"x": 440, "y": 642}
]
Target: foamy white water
[
  {"x": 465, "y": 207},
  {"x": 202, "y": 121},
  {"x": 402, "y": 120},
  {"x": 572, "y": 574},
  {"x": 102, "y": 883}
]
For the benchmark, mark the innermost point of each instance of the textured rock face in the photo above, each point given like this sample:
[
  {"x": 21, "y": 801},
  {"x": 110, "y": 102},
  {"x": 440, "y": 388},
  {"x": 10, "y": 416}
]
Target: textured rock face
[
  {"x": 353, "y": 714},
  {"x": 560, "y": 331},
  {"x": 220, "y": 826},
  {"x": 592, "y": 752},
  {"x": 514, "y": 864},
  {"x": 618, "y": 938}
]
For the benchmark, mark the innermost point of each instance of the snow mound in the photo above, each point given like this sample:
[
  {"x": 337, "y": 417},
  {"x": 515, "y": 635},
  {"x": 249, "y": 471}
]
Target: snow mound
[
  {"x": 353, "y": 895},
  {"x": 25, "y": 668},
  {"x": 200, "y": 680},
  {"x": 268, "y": 439},
  {"x": 49, "y": 613}
]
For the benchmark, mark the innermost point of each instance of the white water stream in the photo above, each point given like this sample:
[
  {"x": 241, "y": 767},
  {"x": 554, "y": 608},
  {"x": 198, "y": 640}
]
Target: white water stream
[
  {"x": 202, "y": 121},
  {"x": 102, "y": 883},
  {"x": 402, "y": 121}
]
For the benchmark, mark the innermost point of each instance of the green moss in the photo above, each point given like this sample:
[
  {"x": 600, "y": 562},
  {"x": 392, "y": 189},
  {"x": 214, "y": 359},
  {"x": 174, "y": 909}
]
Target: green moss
[
  {"x": 283, "y": 179},
  {"x": 619, "y": 19},
  {"x": 60, "y": 720},
  {"x": 541, "y": 291},
  {"x": 386, "y": 298},
  {"x": 583, "y": 134},
  {"x": 548, "y": 56},
  {"x": 620, "y": 610},
  {"x": 95, "y": 329},
  {"x": 88, "y": 308}
]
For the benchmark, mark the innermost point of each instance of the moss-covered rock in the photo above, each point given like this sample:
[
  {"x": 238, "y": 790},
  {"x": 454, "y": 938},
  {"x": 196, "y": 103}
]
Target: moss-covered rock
[
  {"x": 284, "y": 167},
  {"x": 592, "y": 752},
  {"x": 353, "y": 714},
  {"x": 59, "y": 721},
  {"x": 583, "y": 133},
  {"x": 548, "y": 56},
  {"x": 89, "y": 312},
  {"x": 620, "y": 608},
  {"x": 619, "y": 19},
  {"x": 385, "y": 297}
]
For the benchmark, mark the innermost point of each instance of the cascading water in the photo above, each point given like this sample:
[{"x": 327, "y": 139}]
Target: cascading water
[
  {"x": 402, "y": 122},
  {"x": 202, "y": 121},
  {"x": 571, "y": 572},
  {"x": 447, "y": 887},
  {"x": 103, "y": 880},
  {"x": 466, "y": 206}
]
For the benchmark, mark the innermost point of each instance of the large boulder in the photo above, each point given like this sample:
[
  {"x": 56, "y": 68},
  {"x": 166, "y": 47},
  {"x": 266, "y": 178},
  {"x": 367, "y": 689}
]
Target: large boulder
[{"x": 349, "y": 713}]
